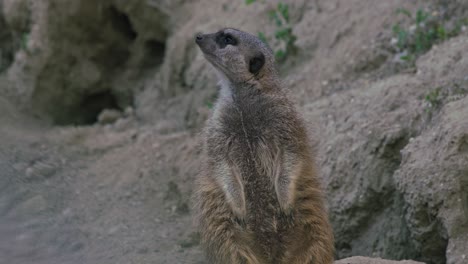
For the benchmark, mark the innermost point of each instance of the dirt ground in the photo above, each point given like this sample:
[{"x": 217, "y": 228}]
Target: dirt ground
[{"x": 82, "y": 185}]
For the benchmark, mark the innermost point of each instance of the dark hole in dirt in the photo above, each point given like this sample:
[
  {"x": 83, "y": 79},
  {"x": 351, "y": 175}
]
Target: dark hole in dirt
[
  {"x": 154, "y": 53},
  {"x": 6, "y": 46},
  {"x": 463, "y": 144},
  {"x": 92, "y": 105},
  {"x": 392, "y": 149},
  {"x": 464, "y": 196},
  {"x": 122, "y": 24},
  {"x": 112, "y": 58},
  {"x": 6, "y": 58}
]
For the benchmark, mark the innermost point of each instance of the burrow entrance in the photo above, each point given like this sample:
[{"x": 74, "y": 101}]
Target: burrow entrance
[
  {"x": 93, "y": 104},
  {"x": 7, "y": 47},
  {"x": 112, "y": 47}
]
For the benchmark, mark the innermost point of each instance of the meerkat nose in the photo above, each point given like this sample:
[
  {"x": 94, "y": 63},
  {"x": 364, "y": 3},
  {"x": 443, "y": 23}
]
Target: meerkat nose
[{"x": 199, "y": 37}]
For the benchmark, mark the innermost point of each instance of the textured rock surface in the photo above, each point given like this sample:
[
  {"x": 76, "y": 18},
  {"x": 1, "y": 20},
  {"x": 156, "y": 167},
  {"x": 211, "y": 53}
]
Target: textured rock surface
[
  {"x": 395, "y": 166},
  {"x": 387, "y": 187},
  {"x": 364, "y": 260},
  {"x": 78, "y": 56}
]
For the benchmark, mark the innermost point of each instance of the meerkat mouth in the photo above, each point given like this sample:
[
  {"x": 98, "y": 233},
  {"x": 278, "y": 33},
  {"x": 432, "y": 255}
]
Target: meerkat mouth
[{"x": 212, "y": 60}]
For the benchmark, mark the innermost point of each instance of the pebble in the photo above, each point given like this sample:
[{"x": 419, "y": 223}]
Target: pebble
[{"x": 108, "y": 116}]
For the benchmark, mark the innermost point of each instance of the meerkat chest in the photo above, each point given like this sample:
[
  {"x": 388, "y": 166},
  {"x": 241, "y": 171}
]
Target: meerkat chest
[
  {"x": 254, "y": 129},
  {"x": 252, "y": 123},
  {"x": 251, "y": 139}
]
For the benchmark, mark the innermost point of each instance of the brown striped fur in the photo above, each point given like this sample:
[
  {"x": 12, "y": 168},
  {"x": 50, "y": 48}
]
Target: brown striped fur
[{"x": 258, "y": 197}]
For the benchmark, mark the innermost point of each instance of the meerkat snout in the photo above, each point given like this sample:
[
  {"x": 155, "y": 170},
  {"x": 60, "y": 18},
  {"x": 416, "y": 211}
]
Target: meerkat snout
[{"x": 198, "y": 38}]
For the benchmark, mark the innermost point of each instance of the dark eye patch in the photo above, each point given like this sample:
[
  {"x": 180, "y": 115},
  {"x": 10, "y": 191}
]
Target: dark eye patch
[
  {"x": 223, "y": 40},
  {"x": 229, "y": 40}
]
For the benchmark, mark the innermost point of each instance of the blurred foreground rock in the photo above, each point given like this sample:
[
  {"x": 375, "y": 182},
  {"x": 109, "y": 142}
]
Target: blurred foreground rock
[{"x": 364, "y": 260}]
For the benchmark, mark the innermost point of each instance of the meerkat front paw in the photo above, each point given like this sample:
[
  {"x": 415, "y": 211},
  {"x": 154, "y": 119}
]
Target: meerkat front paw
[{"x": 229, "y": 178}]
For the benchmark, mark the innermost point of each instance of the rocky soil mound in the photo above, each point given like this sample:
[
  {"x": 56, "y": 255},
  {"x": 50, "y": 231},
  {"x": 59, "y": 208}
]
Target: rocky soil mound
[{"x": 102, "y": 102}]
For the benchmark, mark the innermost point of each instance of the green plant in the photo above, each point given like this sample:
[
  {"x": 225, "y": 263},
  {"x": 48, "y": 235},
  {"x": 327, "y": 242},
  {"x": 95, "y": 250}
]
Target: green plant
[
  {"x": 424, "y": 31},
  {"x": 441, "y": 95},
  {"x": 262, "y": 37},
  {"x": 283, "y": 32},
  {"x": 209, "y": 104},
  {"x": 458, "y": 27},
  {"x": 24, "y": 41},
  {"x": 283, "y": 35},
  {"x": 433, "y": 98},
  {"x": 210, "y": 101}
]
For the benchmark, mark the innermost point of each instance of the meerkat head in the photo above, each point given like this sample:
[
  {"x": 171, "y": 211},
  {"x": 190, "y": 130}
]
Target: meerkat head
[{"x": 240, "y": 57}]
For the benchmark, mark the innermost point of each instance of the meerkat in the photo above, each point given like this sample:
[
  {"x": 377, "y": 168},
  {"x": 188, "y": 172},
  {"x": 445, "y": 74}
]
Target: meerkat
[{"x": 258, "y": 198}]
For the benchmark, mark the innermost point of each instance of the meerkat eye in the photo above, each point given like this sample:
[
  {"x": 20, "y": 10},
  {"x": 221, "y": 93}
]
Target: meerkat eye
[
  {"x": 229, "y": 40},
  {"x": 223, "y": 39}
]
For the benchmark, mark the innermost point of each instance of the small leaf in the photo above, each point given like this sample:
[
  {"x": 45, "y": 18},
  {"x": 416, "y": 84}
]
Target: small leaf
[
  {"x": 405, "y": 12},
  {"x": 248, "y": 2},
  {"x": 24, "y": 41},
  {"x": 262, "y": 37},
  {"x": 274, "y": 16},
  {"x": 406, "y": 58},
  {"x": 292, "y": 39},
  {"x": 280, "y": 54},
  {"x": 284, "y": 11},
  {"x": 441, "y": 32},
  {"x": 401, "y": 35},
  {"x": 421, "y": 16},
  {"x": 283, "y": 33}
]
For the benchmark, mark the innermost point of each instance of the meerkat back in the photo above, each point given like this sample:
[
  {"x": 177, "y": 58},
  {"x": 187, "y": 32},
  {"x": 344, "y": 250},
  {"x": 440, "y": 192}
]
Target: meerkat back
[{"x": 258, "y": 197}]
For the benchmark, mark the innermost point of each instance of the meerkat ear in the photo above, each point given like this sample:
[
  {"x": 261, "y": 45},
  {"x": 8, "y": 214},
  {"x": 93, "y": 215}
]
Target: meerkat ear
[{"x": 256, "y": 63}]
